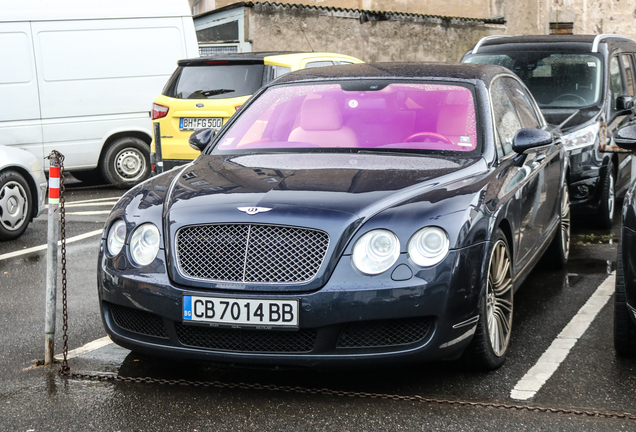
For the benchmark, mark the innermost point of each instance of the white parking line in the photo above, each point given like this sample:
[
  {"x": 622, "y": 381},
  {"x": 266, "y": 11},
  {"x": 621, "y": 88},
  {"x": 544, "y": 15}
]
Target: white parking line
[
  {"x": 91, "y": 346},
  {"x": 88, "y": 213},
  {"x": 43, "y": 247},
  {"x": 548, "y": 363}
]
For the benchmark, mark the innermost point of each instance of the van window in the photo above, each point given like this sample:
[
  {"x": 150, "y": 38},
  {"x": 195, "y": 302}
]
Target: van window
[
  {"x": 615, "y": 81},
  {"x": 15, "y": 51},
  {"x": 629, "y": 73},
  {"x": 215, "y": 82},
  {"x": 555, "y": 80}
]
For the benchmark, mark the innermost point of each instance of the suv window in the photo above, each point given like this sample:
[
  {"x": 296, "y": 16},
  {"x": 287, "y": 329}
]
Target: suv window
[
  {"x": 615, "y": 81},
  {"x": 215, "y": 82},
  {"x": 318, "y": 64},
  {"x": 555, "y": 80},
  {"x": 629, "y": 72},
  {"x": 507, "y": 122}
]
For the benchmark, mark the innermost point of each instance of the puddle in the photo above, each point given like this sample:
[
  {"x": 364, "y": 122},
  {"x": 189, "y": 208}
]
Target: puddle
[
  {"x": 590, "y": 266},
  {"x": 595, "y": 239}
]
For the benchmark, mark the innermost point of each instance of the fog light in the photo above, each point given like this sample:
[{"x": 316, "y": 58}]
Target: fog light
[{"x": 581, "y": 191}]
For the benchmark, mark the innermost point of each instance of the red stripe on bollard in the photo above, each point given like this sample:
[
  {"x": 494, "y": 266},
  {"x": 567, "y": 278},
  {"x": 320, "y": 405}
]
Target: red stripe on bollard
[{"x": 54, "y": 185}]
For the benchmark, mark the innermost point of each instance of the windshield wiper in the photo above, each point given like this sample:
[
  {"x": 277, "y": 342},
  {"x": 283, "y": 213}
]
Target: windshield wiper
[{"x": 209, "y": 93}]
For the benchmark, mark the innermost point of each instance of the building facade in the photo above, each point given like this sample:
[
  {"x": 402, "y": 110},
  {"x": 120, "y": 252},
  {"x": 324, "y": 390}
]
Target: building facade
[{"x": 397, "y": 30}]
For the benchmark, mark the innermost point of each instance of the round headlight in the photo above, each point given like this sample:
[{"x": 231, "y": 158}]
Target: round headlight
[
  {"x": 144, "y": 244},
  {"x": 116, "y": 237},
  {"x": 376, "y": 251},
  {"x": 428, "y": 246}
]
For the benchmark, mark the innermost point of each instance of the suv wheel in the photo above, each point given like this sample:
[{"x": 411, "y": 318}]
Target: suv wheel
[{"x": 607, "y": 207}]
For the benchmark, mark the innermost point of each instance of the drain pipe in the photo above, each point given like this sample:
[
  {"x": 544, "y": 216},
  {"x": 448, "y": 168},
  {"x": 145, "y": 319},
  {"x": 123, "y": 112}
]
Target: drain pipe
[{"x": 194, "y": 7}]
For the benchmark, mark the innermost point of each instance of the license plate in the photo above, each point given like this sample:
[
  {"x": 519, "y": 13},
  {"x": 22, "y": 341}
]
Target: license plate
[
  {"x": 186, "y": 123},
  {"x": 241, "y": 312}
]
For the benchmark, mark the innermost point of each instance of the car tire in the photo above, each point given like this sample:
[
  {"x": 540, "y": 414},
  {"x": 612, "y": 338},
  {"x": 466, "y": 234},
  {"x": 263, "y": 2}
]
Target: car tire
[
  {"x": 559, "y": 250},
  {"x": 489, "y": 346},
  {"x": 16, "y": 205},
  {"x": 126, "y": 162},
  {"x": 624, "y": 327},
  {"x": 607, "y": 207}
]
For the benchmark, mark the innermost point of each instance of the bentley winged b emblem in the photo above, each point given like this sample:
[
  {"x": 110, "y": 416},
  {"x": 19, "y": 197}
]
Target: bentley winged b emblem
[{"x": 254, "y": 210}]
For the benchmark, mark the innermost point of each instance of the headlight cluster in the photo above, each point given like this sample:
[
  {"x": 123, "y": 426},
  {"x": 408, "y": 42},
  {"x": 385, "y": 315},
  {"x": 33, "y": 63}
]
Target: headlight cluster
[
  {"x": 144, "y": 242},
  {"x": 581, "y": 138},
  {"x": 376, "y": 251}
]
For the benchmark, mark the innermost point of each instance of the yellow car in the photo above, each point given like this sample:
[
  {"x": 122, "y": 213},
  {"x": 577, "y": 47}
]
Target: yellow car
[{"x": 204, "y": 93}]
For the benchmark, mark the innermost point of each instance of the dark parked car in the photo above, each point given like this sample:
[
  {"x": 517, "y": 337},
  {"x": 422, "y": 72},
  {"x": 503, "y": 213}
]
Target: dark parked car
[
  {"x": 585, "y": 85},
  {"x": 625, "y": 295},
  {"x": 348, "y": 215}
]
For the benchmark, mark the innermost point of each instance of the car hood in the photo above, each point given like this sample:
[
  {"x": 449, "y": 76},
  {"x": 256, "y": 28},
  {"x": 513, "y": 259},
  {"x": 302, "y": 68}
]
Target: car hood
[
  {"x": 332, "y": 192},
  {"x": 214, "y": 187},
  {"x": 569, "y": 118}
]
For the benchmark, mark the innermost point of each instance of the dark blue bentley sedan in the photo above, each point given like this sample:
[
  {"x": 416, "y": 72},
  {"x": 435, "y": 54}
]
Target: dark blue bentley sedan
[
  {"x": 625, "y": 287},
  {"x": 348, "y": 215}
]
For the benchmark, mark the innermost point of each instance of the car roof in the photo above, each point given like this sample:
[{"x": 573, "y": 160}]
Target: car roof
[
  {"x": 467, "y": 72},
  {"x": 257, "y": 57},
  {"x": 562, "y": 43}
]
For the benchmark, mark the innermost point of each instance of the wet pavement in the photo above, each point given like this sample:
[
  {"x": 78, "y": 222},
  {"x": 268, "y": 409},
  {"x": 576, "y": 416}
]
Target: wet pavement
[{"x": 591, "y": 378}]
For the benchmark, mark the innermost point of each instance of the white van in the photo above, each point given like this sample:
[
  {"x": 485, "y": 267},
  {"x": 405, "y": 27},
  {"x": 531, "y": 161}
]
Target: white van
[{"x": 80, "y": 77}]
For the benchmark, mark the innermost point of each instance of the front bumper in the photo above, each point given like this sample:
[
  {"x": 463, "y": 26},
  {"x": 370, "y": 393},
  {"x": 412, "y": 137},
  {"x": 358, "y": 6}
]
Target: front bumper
[{"x": 352, "y": 320}]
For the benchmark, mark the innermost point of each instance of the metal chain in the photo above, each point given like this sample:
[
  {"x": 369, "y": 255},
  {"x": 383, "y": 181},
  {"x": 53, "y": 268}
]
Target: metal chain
[
  {"x": 65, "y": 369},
  {"x": 328, "y": 392}
]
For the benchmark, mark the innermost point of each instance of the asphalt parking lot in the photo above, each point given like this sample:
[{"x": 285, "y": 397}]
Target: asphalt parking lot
[{"x": 561, "y": 359}]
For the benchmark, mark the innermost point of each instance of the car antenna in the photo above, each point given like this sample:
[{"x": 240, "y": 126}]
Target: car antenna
[{"x": 302, "y": 30}]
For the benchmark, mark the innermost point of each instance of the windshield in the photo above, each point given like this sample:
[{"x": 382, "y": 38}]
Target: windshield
[
  {"x": 357, "y": 115},
  {"x": 555, "y": 80},
  {"x": 216, "y": 82}
]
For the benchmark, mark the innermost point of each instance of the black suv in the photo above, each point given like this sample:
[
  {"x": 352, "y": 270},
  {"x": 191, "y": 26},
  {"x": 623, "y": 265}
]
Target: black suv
[{"x": 583, "y": 84}]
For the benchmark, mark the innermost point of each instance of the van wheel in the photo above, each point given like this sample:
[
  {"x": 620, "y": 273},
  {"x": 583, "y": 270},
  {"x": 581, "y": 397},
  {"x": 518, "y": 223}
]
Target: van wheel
[
  {"x": 16, "y": 205},
  {"x": 126, "y": 162},
  {"x": 607, "y": 207},
  {"x": 489, "y": 347}
]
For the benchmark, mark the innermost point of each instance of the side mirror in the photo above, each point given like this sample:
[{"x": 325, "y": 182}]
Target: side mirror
[
  {"x": 624, "y": 103},
  {"x": 200, "y": 139},
  {"x": 626, "y": 137},
  {"x": 530, "y": 138}
]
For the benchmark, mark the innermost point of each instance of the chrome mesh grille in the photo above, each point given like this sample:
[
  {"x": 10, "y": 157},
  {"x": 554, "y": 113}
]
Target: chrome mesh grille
[
  {"x": 138, "y": 321},
  {"x": 370, "y": 334},
  {"x": 269, "y": 341},
  {"x": 250, "y": 253}
]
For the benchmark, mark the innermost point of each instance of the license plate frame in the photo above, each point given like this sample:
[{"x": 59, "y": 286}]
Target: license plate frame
[
  {"x": 241, "y": 312},
  {"x": 198, "y": 123}
]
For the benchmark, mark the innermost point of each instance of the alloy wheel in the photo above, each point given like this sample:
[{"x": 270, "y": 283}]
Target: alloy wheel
[
  {"x": 565, "y": 223},
  {"x": 499, "y": 298}
]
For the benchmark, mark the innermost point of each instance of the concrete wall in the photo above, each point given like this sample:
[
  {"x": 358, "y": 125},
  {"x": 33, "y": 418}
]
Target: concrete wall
[
  {"x": 464, "y": 8},
  {"x": 522, "y": 16},
  {"x": 274, "y": 27}
]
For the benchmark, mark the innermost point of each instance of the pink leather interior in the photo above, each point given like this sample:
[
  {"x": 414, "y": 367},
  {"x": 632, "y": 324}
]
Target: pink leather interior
[{"x": 321, "y": 124}]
